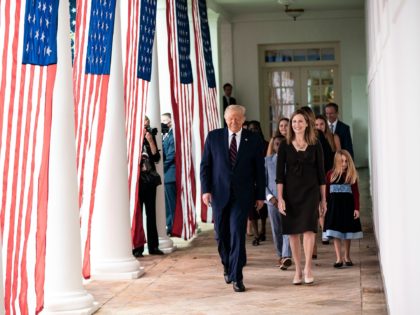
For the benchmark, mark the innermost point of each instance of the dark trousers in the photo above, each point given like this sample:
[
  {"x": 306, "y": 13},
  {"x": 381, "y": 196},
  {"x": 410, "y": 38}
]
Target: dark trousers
[
  {"x": 230, "y": 228},
  {"x": 147, "y": 196},
  {"x": 170, "y": 203}
]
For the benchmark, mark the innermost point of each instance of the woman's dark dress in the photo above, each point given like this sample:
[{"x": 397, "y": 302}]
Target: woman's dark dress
[
  {"x": 301, "y": 173},
  {"x": 342, "y": 200}
]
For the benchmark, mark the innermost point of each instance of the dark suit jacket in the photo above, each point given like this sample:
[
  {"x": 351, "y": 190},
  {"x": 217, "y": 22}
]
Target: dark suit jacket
[
  {"x": 169, "y": 158},
  {"x": 246, "y": 180},
  {"x": 343, "y": 132},
  {"x": 232, "y": 101}
]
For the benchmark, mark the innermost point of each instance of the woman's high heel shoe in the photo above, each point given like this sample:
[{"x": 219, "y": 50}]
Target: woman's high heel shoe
[
  {"x": 308, "y": 280},
  {"x": 297, "y": 281}
]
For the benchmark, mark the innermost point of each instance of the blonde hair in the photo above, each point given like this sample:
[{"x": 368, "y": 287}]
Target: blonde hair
[
  {"x": 310, "y": 134},
  {"x": 351, "y": 174}
]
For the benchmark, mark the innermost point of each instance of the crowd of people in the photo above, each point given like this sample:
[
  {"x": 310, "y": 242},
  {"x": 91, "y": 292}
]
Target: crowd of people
[
  {"x": 310, "y": 185},
  {"x": 303, "y": 179}
]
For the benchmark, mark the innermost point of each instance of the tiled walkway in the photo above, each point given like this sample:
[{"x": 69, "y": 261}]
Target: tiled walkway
[{"x": 190, "y": 281}]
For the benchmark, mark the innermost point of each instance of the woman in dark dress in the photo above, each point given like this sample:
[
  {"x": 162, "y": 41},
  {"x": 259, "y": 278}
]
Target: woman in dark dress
[{"x": 301, "y": 189}]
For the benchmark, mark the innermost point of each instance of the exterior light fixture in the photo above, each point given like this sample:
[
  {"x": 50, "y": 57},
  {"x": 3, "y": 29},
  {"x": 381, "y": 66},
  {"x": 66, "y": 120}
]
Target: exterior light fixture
[{"x": 293, "y": 13}]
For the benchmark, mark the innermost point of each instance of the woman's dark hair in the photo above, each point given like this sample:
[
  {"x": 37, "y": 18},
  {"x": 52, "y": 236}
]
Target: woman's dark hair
[{"x": 255, "y": 124}]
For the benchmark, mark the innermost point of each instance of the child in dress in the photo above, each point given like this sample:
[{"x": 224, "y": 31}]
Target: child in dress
[{"x": 342, "y": 220}]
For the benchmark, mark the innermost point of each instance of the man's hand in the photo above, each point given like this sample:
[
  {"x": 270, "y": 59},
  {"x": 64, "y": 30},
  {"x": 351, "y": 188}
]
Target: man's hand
[
  {"x": 273, "y": 201},
  {"x": 207, "y": 199},
  {"x": 259, "y": 204}
]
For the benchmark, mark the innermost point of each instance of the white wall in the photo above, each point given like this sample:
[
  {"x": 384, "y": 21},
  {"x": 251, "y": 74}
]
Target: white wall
[
  {"x": 345, "y": 27},
  {"x": 393, "y": 85}
]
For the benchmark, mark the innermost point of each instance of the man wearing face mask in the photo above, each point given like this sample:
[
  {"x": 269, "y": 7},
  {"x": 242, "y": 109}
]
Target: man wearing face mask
[{"x": 169, "y": 170}]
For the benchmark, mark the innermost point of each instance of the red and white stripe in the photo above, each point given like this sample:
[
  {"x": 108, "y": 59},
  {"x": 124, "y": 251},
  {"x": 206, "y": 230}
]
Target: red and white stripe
[
  {"x": 182, "y": 106},
  {"x": 207, "y": 97},
  {"x": 25, "y": 126},
  {"x": 90, "y": 93},
  {"x": 135, "y": 98}
]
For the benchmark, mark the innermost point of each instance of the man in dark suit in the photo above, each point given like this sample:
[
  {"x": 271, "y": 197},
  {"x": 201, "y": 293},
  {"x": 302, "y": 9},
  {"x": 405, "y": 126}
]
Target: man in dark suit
[
  {"x": 338, "y": 127},
  {"x": 233, "y": 180},
  {"x": 169, "y": 170},
  {"x": 227, "y": 97}
]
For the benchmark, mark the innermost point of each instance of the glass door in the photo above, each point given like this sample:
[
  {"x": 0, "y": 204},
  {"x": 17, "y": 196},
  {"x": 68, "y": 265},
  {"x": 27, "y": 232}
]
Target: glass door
[
  {"x": 282, "y": 93},
  {"x": 321, "y": 87}
]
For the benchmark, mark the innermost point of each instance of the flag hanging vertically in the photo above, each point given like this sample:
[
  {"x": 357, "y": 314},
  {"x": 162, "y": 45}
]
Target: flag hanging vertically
[
  {"x": 27, "y": 75},
  {"x": 137, "y": 64},
  {"x": 72, "y": 26},
  {"x": 182, "y": 106},
  {"x": 92, "y": 62},
  {"x": 206, "y": 83}
]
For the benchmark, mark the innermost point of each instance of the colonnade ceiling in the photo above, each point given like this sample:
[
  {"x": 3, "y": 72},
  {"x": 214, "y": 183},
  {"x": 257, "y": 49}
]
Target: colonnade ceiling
[{"x": 237, "y": 7}]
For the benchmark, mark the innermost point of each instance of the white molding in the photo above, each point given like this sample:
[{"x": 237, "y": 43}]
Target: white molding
[{"x": 306, "y": 16}]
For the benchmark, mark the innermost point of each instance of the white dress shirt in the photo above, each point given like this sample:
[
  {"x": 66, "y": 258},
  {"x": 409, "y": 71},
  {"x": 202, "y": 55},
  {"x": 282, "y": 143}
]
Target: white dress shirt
[
  {"x": 332, "y": 126},
  {"x": 238, "y": 138}
]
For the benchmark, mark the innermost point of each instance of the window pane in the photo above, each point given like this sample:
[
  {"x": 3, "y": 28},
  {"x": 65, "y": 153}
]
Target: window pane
[
  {"x": 313, "y": 54},
  {"x": 287, "y": 79},
  {"x": 276, "y": 79},
  {"x": 288, "y": 110},
  {"x": 327, "y": 54}
]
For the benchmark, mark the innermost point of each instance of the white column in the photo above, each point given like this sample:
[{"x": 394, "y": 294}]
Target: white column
[
  {"x": 111, "y": 233},
  {"x": 64, "y": 292},
  {"x": 161, "y": 42},
  {"x": 166, "y": 245},
  {"x": 1, "y": 282}
]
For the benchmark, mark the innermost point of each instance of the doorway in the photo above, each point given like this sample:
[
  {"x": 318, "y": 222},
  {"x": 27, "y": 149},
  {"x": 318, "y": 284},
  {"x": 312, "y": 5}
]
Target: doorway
[{"x": 297, "y": 77}]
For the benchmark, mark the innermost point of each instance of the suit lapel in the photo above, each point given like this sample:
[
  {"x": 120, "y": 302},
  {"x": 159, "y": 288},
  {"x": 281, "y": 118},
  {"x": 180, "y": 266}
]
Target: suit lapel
[
  {"x": 226, "y": 145},
  {"x": 242, "y": 145},
  {"x": 337, "y": 127}
]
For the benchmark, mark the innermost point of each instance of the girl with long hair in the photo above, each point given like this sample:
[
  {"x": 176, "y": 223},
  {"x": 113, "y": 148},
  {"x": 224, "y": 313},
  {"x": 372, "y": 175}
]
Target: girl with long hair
[{"x": 342, "y": 220}]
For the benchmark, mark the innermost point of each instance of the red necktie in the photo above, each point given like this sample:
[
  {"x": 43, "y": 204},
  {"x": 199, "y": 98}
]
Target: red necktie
[{"x": 233, "y": 150}]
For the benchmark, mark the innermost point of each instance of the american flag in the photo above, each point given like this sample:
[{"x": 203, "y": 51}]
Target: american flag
[
  {"x": 27, "y": 75},
  {"x": 92, "y": 62},
  {"x": 182, "y": 107},
  {"x": 137, "y": 75},
  {"x": 206, "y": 82},
  {"x": 72, "y": 26}
]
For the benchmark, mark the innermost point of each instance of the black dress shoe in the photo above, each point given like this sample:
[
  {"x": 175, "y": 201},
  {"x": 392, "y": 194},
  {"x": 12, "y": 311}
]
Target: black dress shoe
[
  {"x": 155, "y": 251},
  {"x": 338, "y": 264},
  {"x": 262, "y": 238},
  {"x": 238, "y": 286},
  {"x": 138, "y": 252},
  {"x": 349, "y": 263},
  {"x": 226, "y": 275},
  {"x": 256, "y": 242}
]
